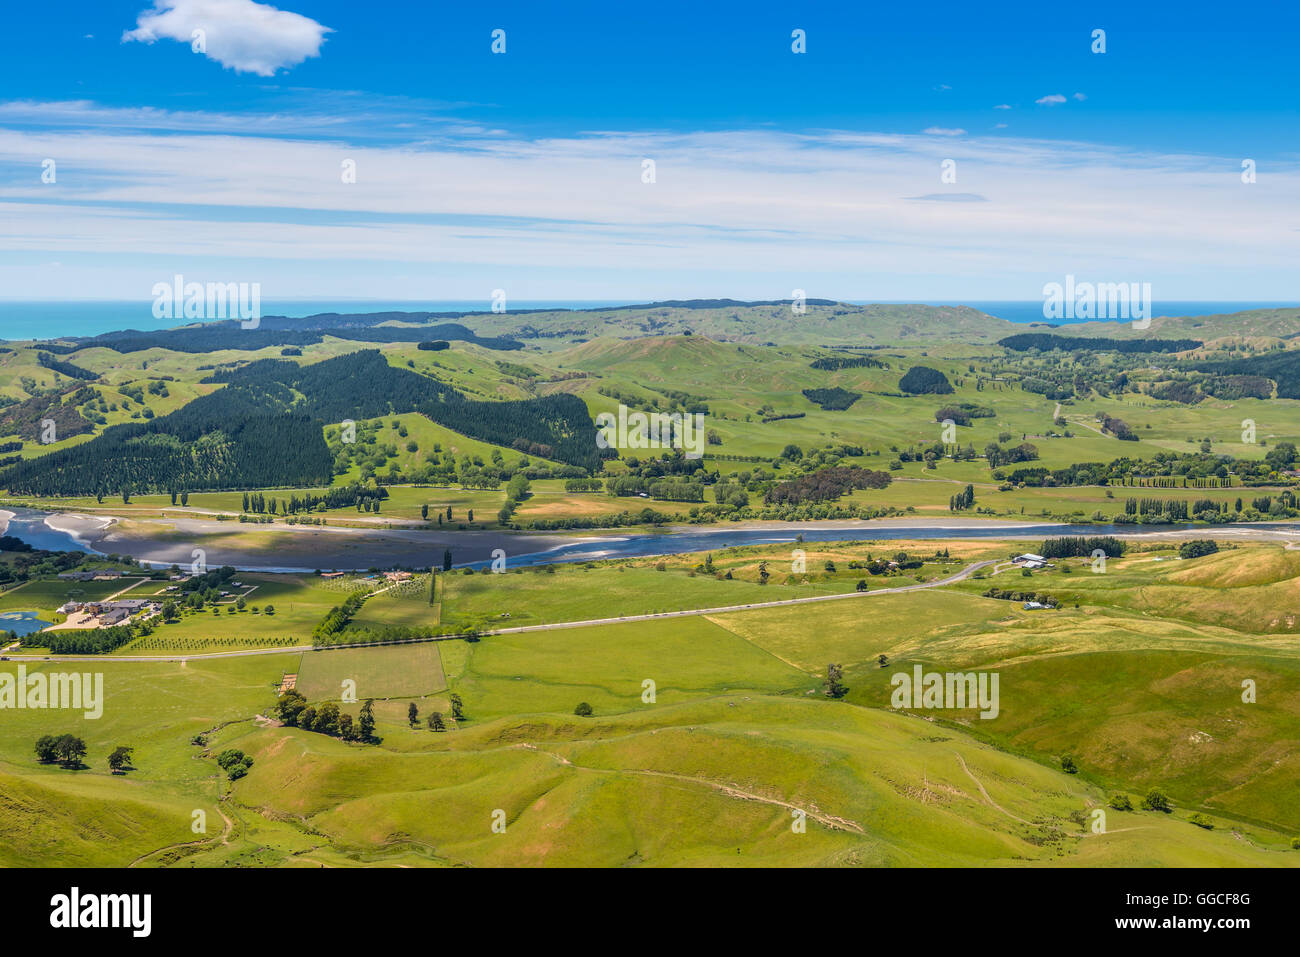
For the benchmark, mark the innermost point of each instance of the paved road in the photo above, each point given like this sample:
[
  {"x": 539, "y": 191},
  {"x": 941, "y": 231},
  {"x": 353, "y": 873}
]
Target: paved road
[{"x": 556, "y": 626}]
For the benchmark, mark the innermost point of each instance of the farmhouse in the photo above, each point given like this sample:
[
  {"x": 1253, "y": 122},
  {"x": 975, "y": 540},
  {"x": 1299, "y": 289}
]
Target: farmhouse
[
  {"x": 110, "y": 612},
  {"x": 1030, "y": 560}
]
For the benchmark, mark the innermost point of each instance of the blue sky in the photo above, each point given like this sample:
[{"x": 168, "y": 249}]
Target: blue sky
[{"x": 773, "y": 170}]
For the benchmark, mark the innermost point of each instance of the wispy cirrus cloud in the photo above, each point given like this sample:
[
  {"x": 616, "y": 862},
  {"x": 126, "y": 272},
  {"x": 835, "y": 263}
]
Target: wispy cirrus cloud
[
  {"x": 241, "y": 35},
  {"x": 756, "y": 206},
  {"x": 353, "y": 115},
  {"x": 948, "y": 198}
]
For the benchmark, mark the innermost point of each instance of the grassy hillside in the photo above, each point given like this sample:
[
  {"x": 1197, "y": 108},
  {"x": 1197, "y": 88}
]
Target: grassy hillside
[{"x": 711, "y": 735}]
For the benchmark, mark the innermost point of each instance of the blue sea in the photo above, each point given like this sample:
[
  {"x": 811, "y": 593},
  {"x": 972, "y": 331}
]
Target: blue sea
[
  {"x": 1033, "y": 311},
  {"x": 48, "y": 320},
  {"x": 45, "y": 320}
]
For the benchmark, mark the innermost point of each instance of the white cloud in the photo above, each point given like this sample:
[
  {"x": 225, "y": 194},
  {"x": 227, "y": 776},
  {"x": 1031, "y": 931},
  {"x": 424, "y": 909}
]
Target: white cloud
[
  {"x": 1002, "y": 106},
  {"x": 941, "y": 131},
  {"x": 1080, "y": 97},
  {"x": 999, "y": 126},
  {"x": 1050, "y": 100},
  {"x": 241, "y": 35},
  {"x": 757, "y": 212}
]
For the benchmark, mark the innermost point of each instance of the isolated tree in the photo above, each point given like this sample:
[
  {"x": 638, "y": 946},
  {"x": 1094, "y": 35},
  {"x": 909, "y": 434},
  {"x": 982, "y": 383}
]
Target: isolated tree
[
  {"x": 185, "y": 498},
  {"x": 583, "y": 710},
  {"x": 413, "y": 714},
  {"x": 471, "y": 515},
  {"x": 763, "y": 575},
  {"x": 446, "y": 558},
  {"x": 47, "y": 749},
  {"x": 457, "y": 708},
  {"x": 1156, "y": 800},
  {"x": 120, "y": 759},
  {"x": 862, "y": 584},
  {"x": 234, "y": 762},
  {"x": 1068, "y": 765},
  {"x": 366, "y": 720},
  {"x": 424, "y": 511},
  {"x": 834, "y": 686},
  {"x": 449, "y": 513},
  {"x": 436, "y": 723},
  {"x": 269, "y": 610}
]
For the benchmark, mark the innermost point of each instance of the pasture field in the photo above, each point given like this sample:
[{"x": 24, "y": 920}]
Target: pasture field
[
  {"x": 733, "y": 735},
  {"x": 612, "y": 589},
  {"x": 393, "y": 671},
  {"x": 90, "y": 817},
  {"x": 404, "y": 604}
]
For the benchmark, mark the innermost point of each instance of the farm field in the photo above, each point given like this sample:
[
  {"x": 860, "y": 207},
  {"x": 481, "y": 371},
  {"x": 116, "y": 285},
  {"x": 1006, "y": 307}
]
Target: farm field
[
  {"x": 398, "y": 671},
  {"x": 603, "y": 589},
  {"x": 722, "y": 718}
]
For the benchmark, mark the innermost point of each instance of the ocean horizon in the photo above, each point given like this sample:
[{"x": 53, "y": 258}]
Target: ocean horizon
[{"x": 46, "y": 319}]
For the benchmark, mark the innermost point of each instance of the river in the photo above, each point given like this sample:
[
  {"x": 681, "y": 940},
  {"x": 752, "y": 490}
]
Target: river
[{"x": 304, "y": 548}]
